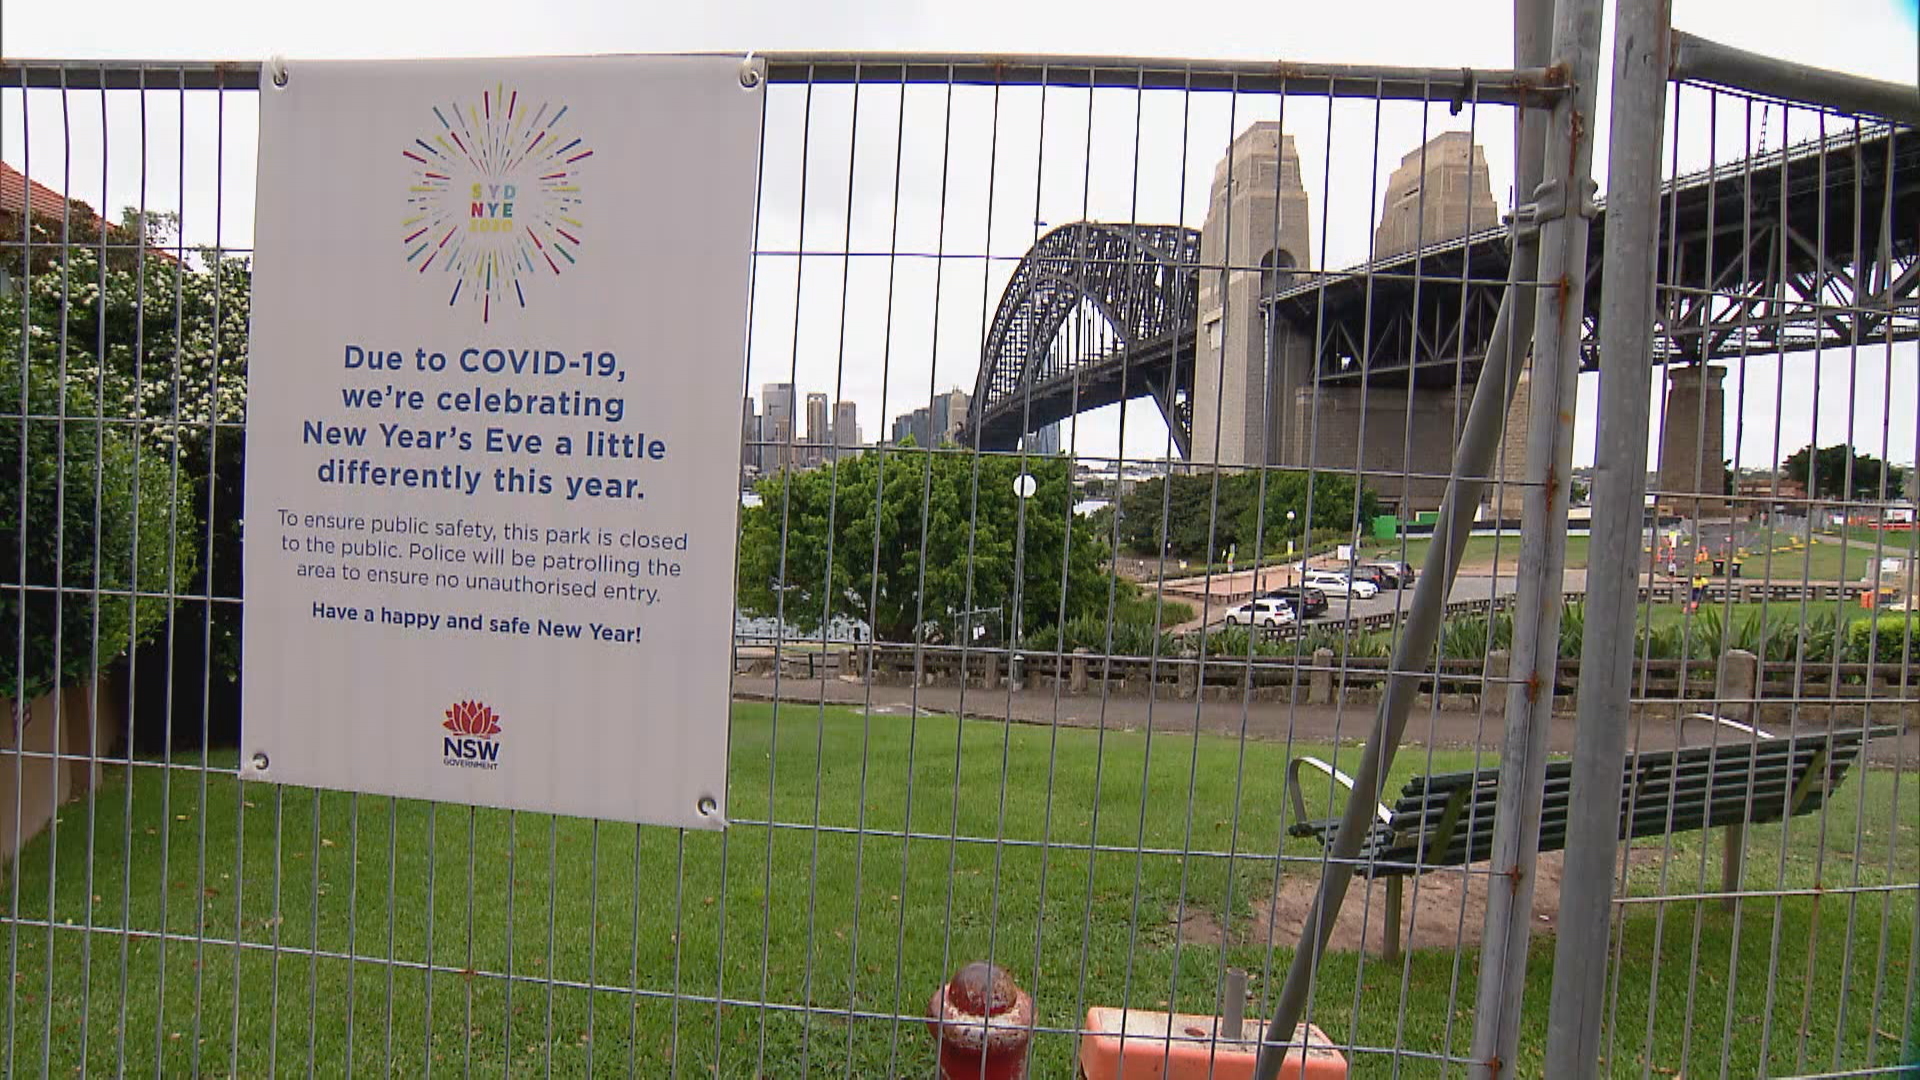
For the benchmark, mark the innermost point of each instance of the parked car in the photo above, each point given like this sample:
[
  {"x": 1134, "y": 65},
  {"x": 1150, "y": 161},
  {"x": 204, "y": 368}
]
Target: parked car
[
  {"x": 1337, "y": 584},
  {"x": 1399, "y": 574},
  {"x": 1307, "y": 602},
  {"x": 1263, "y": 612},
  {"x": 1373, "y": 575}
]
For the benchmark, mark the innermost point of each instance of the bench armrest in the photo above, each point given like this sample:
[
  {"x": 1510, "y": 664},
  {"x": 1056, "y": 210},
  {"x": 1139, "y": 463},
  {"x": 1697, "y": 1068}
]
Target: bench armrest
[
  {"x": 1725, "y": 722},
  {"x": 1300, "y": 805}
]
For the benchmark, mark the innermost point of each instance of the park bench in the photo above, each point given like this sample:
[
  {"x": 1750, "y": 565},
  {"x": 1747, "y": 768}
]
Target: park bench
[{"x": 1447, "y": 820}]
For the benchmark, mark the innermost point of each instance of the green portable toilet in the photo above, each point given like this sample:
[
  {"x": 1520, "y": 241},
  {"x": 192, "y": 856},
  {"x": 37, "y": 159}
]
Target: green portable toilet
[{"x": 1386, "y": 527}]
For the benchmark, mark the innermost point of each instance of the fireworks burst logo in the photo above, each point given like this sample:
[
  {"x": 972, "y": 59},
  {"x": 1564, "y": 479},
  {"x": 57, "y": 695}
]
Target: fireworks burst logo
[{"x": 494, "y": 200}]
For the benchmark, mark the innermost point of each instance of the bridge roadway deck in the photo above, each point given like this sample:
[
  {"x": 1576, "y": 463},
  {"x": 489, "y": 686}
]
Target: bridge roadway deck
[{"x": 1788, "y": 251}]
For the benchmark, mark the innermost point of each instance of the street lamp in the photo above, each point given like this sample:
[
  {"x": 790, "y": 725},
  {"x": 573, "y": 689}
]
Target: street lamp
[
  {"x": 1290, "y": 517},
  {"x": 1024, "y": 486}
]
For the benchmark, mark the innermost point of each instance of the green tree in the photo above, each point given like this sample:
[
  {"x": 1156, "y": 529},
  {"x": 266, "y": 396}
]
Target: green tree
[
  {"x": 155, "y": 338},
  {"x": 1825, "y": 471},
  {"x": 846, "y": 541},
  {"x": 1171, "y": 515},
  {"x": 1319, "y": 500},
  {"x": 1182, "y": 512},
  {"x": 95, "y": 522}
]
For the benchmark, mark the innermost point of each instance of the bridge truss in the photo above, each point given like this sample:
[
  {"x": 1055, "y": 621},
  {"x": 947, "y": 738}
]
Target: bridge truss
[
  {"x": 1815, "y": 247},
  {"x": 1140, "y": 280}
]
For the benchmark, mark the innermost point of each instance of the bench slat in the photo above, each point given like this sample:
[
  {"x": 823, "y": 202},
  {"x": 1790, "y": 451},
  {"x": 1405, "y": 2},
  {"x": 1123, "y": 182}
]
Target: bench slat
[
  {"x": 1684, "y": 790},
  {"x": 1787, "y": 753},
  {"x": 1442, "y": 784},
  {"x": 1482, "y": 806},
  {"x": 1658, "y": 806},
  {"x": 1562, "y": 771},
  {"x": 1400, "y": 861},
  {"x": 1648, "y": 784},
  {"x": 1652, "y": 820},
  {"x": 1729, "y": 786}
]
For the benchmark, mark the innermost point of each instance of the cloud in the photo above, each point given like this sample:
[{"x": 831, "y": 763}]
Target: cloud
[{"x": 891, "y": 218}]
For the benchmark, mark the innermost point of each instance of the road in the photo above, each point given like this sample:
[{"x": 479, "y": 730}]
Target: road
[{"x": 1470, "y": 584}]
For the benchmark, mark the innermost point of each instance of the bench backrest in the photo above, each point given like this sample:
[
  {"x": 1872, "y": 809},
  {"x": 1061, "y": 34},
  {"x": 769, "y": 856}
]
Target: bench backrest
[{"x": 1447, "y": 820}]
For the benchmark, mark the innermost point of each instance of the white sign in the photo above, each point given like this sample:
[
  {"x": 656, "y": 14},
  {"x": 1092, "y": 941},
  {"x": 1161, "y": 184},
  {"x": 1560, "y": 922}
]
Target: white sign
[{"x": 498, "y": 345}]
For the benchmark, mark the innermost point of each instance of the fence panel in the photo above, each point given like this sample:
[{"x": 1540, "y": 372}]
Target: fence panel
[
  {"x": 1775, "y": 581},
  {"x": 1075, "y": 386}
]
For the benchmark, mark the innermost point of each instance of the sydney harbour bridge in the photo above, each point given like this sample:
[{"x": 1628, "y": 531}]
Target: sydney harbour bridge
[{"x": 1252, "y": 360}]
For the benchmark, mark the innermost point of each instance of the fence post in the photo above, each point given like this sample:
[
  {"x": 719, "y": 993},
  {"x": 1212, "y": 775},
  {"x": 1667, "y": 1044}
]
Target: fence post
[
  {"x": 1560, "y": 208},
  {"x": 1739, "y": 689},
  {"x": 1473, "y": 465},
  {"x": 1499, "y": 667},
  {"x": 989, "y": 669},
  {"x": 1320, "y": 680},
  {"x": 1077, "y": 677},
  {"x": 1627, "y": 304}
]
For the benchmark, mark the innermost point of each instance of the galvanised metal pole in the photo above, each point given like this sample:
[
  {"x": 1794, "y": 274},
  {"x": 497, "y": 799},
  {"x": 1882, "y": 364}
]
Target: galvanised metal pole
[
  {"x": 1473, "y": 461},
  {"x": 1531, "y": 87},
  {"x": 1473, "y": 465},
  {"x": 1560, "y": 209},
  {"x": 1641, "y": 52},
  {"x": 1700, "y": 60}
]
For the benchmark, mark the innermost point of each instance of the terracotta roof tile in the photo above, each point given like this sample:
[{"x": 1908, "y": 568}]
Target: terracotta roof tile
[
  {"x": 16, "y": 191},
  {"x": 50, "y": 206}
]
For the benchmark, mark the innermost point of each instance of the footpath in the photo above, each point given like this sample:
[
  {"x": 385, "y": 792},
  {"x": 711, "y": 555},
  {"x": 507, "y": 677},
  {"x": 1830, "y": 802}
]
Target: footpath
[{"x": 1263, "y": 721}]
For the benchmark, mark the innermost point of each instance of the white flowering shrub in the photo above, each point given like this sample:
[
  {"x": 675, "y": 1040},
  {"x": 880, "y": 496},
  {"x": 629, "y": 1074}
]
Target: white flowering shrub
[{"x": 124, "y": 391}]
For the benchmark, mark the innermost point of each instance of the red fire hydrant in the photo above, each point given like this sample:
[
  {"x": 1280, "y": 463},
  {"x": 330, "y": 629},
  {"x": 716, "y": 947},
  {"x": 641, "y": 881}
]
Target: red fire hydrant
[{"x": 982, "y": 1022}]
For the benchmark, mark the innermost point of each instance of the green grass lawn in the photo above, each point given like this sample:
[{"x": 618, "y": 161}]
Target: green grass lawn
[
  {"x": 841, "y": 931},
  {"x": 1482, "y": 552},
  {"x": 1829, "y": 558},
  {"x": 1826, "y": 558},
  {"x": 1789, "y": 558},
  {"x": 1735, "y": 615}
]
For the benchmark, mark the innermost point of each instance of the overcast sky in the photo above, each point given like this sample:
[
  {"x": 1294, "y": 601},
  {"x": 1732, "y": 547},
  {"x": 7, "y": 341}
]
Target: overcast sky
[{"x": 1005, "y": 165}]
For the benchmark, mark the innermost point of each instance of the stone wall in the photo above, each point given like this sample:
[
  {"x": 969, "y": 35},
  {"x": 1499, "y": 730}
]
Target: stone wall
[
  {"x": 1692, "y": 475},
  {"x": 1330, "y": 424},
  {"x": 66, "y": 733}
]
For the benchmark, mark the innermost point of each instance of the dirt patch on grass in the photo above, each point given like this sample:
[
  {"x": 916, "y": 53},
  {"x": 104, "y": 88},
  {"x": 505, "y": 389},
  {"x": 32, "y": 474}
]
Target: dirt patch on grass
[{"x": 1439, "y": 909}]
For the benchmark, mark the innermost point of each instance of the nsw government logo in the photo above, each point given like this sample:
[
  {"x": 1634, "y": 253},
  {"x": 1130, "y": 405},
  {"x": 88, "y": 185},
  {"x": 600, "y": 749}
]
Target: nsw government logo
[
  {"x": 471, "y": 744},
  {"x": 494, "y": 199}
]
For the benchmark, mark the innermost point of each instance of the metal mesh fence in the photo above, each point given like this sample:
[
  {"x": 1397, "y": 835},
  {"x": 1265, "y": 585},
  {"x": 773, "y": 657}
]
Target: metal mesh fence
[
  {"x": 1098, "y": 423},
  {"x": 1778, "y": 598}
]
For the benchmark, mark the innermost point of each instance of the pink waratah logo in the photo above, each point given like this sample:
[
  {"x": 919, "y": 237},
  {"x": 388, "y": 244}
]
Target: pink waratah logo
[
  {"x": 472, "y": 718},
  {"x": 470, "y": 743}
]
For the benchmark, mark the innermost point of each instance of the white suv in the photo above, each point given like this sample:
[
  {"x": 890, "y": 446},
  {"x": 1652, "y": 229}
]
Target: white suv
[
  {"x": 1265, "y": 612},
  {"x": 1341, "y": 585}
]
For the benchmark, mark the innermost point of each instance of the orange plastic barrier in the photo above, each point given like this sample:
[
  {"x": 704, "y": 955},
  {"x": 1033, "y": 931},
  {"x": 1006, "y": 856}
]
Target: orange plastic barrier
[{"x": 1163, "y": 1046}]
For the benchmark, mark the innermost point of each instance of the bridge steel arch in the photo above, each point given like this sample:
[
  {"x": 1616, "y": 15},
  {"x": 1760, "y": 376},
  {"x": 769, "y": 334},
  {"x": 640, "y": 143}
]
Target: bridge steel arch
[{"x": 1142, "y": 279}]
